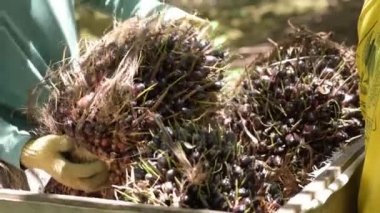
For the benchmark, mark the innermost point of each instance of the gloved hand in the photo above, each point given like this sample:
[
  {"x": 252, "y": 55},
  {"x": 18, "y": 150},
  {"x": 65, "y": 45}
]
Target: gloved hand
[{"x": 46, "y": 153}]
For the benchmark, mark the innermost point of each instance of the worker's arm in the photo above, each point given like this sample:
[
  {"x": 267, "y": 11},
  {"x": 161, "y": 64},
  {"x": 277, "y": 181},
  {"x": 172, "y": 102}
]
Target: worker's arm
[{"x": 12, "y": 141}]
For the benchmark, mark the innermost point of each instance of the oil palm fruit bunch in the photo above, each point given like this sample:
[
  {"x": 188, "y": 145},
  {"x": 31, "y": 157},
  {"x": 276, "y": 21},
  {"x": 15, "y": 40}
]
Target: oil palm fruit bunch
[
  {"x": 193, "y": 146},
  {"x": 106, "y": 99},
  {"x": 294, "y": 108}
]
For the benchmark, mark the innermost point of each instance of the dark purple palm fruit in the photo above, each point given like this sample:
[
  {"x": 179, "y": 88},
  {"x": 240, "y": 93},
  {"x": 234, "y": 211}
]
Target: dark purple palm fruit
[{"x": 301, "y": 97}]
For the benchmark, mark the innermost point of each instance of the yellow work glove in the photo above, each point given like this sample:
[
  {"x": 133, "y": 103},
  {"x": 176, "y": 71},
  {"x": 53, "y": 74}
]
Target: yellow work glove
[{"x": 46, "y": 153}]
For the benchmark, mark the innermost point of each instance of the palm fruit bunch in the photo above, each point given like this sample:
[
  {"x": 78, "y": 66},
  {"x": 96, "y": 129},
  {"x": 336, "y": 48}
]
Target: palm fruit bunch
[
  {"x": 293, "y": 109},
  {"x": 148, "y": 98},
  {"x": 106, "y": 99}
]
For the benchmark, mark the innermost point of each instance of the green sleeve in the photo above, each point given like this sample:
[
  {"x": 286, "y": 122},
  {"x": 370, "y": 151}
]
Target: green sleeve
[
  {"x": 11, "y": 143},
  {"x": 123, "y": 9}
]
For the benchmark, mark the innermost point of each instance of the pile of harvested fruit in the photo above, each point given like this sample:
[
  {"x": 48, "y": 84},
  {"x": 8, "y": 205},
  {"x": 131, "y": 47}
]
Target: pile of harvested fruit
[
  {"x": 291, "y": 111},
  {"x": 148, "y": 99}
]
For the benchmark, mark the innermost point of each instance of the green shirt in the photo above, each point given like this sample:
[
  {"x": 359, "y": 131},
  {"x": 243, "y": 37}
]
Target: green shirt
[{"x": 34, "y": 35}]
